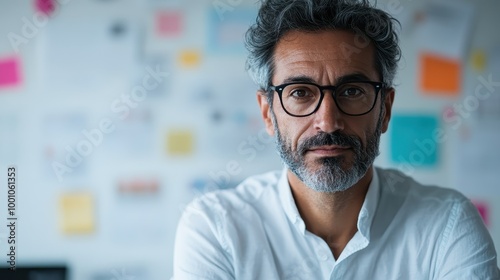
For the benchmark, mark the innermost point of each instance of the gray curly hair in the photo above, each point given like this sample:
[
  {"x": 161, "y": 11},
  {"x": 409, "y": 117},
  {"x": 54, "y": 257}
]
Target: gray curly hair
[{"x": 276, "y": 17}]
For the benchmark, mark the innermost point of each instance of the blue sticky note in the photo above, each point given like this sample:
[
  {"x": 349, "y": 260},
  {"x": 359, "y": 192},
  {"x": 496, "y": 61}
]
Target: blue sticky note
[
  {"x": 413, "y": 141},
  {"x": 226, "y": 30}
]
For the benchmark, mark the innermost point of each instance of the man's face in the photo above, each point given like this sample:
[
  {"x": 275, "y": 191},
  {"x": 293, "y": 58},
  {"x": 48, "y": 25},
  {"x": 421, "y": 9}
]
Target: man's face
[{"x": 328, "y": 151}]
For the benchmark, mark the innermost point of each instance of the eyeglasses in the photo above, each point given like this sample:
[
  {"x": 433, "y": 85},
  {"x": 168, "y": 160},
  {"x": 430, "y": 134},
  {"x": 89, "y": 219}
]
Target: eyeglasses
[{"x": 352, "y": 98}]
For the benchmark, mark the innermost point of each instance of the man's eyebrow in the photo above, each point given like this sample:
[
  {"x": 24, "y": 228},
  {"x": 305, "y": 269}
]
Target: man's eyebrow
[
  {"x": 355, "y": 77},
  {"x": 299, "y": 79}
]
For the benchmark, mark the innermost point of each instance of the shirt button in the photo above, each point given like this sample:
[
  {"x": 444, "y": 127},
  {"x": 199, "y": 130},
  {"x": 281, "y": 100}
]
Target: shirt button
[{"x": 322, "y": 255}]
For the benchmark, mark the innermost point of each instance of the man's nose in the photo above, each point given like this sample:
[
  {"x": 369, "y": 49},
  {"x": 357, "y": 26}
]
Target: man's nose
[{"x": 328, "y": 117}]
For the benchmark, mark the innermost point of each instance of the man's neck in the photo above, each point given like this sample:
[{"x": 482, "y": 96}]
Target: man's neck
[{"x": 331, "y": 216}]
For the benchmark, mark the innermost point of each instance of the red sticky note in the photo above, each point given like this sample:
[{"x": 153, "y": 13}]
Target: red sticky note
[
  {"x": 10, "y": 72},
  {"x": 439, "y": 75},
  {"x": 484, "y": 211},
  {"x": 168, "y": 23},
  {"x": 46, "y": 7}
]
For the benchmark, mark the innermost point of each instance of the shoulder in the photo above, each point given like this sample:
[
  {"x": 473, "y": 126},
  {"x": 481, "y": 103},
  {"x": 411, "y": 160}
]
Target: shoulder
[
  {"x": 225, "y": 214},
  {"x": 396, "y": 183},
  {"x": 440, "y": 218},
  {"x": 438, "y": 210},
  {"x": 423, "y": 205},
  {"x": 216, "y": 227},
  {"x": 246, "y": 193}
]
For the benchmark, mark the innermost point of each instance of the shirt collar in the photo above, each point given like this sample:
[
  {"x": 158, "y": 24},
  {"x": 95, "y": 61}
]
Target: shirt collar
[
  {"x": 288, "y": 203},
  {"x": 365, "y": 217},
  {"x": 367, "y": 212}
]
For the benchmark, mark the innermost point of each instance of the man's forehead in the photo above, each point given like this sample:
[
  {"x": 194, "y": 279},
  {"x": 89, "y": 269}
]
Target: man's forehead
[
  {"x": 299, "y": 51},
  {"x": 320, "y": 45}
]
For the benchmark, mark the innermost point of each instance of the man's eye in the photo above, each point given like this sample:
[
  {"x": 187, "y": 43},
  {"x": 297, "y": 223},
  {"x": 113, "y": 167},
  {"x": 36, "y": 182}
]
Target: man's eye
[
  {"x": 301, "y": 93},
  {"x": 351, "y": 92}
]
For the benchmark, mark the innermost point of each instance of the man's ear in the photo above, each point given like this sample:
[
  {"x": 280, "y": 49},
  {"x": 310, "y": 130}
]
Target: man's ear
[
  {"x": 389, "y": 99},
  {"x": 265, "y": 110}
]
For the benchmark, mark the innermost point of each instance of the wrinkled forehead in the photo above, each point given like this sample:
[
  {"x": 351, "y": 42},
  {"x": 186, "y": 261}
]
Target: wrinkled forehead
[{"x": 323, "y": 55}]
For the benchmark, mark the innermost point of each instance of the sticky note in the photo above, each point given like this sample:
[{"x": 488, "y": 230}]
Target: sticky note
[
  {"x": 189, "y": 58},
  {"x": 77, "y": 213},
  {"x": 414, "y": 140},
  {"x": 478, "y": 60},
  {"x": 449, "y": 112},
  {"x": 439, "y": 75},
  {"x": 10, "y": 72},
  {"x": 226, "y": 30},
  {"x": 138, "y": 187},
  {"x": 168, "y": 23},
  {"x": 180, "y": 142},
  {"x": 46, "y": 7},
  {"x": 198, "y": 184},
  {"x": 484, "y": 211}
]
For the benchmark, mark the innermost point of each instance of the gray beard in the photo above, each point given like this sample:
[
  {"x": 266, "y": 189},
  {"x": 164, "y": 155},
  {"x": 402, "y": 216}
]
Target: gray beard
[{"x": 334, "y": 173}]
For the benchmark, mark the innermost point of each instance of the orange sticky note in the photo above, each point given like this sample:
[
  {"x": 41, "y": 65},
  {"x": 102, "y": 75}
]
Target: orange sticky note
[{"x": 439, "y": 75}]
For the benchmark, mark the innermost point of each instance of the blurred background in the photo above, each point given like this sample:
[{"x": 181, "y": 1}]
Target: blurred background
[{"x": 117, "y": 113}]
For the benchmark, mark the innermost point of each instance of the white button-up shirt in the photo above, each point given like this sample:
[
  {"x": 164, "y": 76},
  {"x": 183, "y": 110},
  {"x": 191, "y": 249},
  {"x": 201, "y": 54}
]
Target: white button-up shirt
[{"x": 405, "y": 231}]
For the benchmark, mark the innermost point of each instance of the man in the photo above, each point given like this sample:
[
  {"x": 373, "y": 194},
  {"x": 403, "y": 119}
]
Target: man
[{"x": 325, "y": 70}]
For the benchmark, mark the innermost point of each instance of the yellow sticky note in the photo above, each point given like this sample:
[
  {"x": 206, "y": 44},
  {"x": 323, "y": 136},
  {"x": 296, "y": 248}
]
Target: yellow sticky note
[
  {"x": 180, "y": 142},
  {"x": 478, "y": 60},
  {"x": 190, "y": 58},
  {"x": 439, "y": 75},
  {"x": 77, "y": 213}
]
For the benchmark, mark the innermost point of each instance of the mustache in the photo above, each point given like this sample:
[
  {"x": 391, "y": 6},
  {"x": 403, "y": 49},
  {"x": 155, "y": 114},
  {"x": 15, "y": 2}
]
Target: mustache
[{"x": 327, "y": 139}]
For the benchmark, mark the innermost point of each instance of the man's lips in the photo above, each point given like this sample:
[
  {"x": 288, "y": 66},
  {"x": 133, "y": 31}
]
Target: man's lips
[{"x": 328, "y": 150}]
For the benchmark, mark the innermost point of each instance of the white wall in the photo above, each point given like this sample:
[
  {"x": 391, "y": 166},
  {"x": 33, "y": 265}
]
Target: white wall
[{"x": 73, "y": 70}]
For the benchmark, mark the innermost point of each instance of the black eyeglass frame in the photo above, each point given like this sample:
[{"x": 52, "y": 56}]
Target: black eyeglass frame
[{"x": 279, "y": 89}]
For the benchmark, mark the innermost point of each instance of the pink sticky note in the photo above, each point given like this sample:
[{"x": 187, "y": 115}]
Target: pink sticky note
[
  {"x": 46, "y": 7},
  {"x": 484, "y": 211},
  {"x": 449, "y": 112},
  {"x": 168, "y": 23},
  {"x": 9, "y": 72}
]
